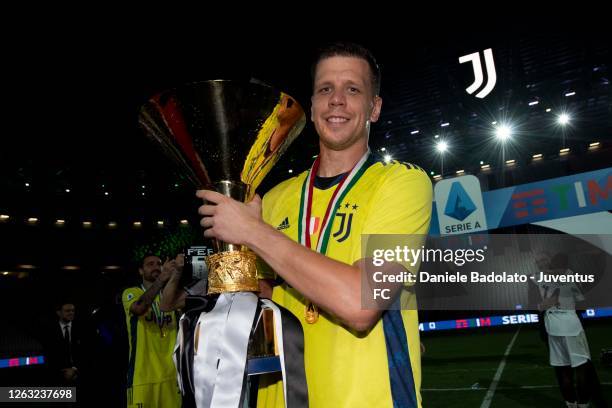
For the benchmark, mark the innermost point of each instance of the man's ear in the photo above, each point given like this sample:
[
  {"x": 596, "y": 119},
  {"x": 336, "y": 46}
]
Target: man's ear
[
  {"x": 377, "y": 105},
  {"x": 140, "y": 272}
]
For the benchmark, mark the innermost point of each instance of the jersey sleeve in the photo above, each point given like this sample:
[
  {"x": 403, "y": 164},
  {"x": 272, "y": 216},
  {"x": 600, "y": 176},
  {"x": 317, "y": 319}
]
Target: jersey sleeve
[
  {"x": 263, "y": 269},
  {"x": 402, "y": 204},
  {"x": 269, "y": 200},
  {"x": 129, "y": 296}
]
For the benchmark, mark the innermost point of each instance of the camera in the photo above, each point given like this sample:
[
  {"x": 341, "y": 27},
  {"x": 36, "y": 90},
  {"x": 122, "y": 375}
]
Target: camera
[{"x": 195, "y": 264}]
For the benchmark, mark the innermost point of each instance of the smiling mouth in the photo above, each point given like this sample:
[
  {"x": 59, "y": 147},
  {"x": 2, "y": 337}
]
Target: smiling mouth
[{"x": 336, "y": 119}]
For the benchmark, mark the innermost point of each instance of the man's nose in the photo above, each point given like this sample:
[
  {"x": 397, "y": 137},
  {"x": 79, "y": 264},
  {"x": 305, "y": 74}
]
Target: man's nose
[{"x": 337, "y": 98}]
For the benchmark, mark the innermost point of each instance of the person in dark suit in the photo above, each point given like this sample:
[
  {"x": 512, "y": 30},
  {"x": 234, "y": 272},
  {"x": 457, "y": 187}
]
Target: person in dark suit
[{"x": 63, "y": 346}]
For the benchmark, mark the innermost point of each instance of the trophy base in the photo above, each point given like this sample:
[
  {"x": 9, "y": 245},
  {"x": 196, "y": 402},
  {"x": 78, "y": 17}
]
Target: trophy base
[{"x": 232, "y": 271}]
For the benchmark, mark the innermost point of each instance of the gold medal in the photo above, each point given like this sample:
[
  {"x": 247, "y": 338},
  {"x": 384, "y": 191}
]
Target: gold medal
[{"x": 312, "y": 313}]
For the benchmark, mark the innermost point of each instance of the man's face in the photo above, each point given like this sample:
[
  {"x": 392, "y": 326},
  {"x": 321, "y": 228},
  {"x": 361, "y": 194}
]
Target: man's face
[
  {"x": 66, "y": 313},
  {"x": 343, "y": 101},
  {"x": 151, "y": 268}
]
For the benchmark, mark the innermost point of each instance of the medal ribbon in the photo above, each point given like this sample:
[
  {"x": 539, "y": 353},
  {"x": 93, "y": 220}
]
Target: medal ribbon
[{"x": 342, "y": 189}]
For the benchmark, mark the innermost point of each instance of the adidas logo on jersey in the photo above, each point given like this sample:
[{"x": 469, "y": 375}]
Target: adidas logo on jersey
[{"x": 283, "y": 225}]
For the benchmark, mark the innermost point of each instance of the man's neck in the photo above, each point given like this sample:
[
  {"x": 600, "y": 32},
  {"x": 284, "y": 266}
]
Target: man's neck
[
  {"x": 146, "y": 284},
  {"x": 334, "y": 162}
]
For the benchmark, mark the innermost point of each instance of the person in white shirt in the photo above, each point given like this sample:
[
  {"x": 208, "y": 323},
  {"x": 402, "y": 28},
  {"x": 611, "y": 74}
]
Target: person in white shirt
[{"x": 568, "y": 346}]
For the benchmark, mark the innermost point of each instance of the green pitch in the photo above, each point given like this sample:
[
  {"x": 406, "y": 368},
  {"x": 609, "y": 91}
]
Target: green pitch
[{"x": 459, "y": 367}]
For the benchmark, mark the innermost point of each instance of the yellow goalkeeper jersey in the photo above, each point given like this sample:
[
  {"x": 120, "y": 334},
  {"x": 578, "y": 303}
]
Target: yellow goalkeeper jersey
[{"x": 344, "y": 368}]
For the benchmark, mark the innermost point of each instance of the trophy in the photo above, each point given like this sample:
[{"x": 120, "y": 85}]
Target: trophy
[{"x": 226, "y": 136}]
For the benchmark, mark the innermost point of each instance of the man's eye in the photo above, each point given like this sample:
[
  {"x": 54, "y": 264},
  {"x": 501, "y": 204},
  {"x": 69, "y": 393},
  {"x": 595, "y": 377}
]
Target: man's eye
[
  {"x": 324, "y": 89},
  {"x": 352, "y": 89}
]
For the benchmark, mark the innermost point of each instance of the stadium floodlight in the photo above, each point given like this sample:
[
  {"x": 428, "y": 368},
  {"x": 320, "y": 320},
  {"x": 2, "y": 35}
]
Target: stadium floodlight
[
  {"x": 442, "y": 146},
  {"x": 563, "y": 119},
  {"x": 503, "y": 133},
  {"x": 388, "y": 158}
]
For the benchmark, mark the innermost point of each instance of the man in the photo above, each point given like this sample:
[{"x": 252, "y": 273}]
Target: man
[
  {"x": 568, "y": 346},
  {"x": 353, "y": 357},
  {"x": 64, "y": 346},
  {"x": 151, "y": 374}
]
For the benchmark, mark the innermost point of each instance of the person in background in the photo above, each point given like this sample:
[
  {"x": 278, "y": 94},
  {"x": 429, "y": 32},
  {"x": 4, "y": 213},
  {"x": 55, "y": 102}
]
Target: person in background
[{"x": 151, "y": 376}]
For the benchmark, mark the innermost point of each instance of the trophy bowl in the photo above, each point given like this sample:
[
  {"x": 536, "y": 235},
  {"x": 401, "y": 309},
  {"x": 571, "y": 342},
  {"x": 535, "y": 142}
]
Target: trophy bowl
[{"x": 226, "y": 136}]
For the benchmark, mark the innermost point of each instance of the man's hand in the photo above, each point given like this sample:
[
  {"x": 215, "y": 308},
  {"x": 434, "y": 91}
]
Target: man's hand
[
  {"x": 172, "y": 298},
  {"x": 227, "y": 219},
  {"x": 172, "y": 267}
]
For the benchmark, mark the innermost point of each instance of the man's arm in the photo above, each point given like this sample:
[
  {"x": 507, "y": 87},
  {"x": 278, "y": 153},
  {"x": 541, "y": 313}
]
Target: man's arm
[
  {"x": 334, "y": 286},
  {"x": 144, "y": 302},
  {"x": 173, "y": 297},
  {"x": 310, "y": 273},
  {"x": 315, "y": 275}
]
